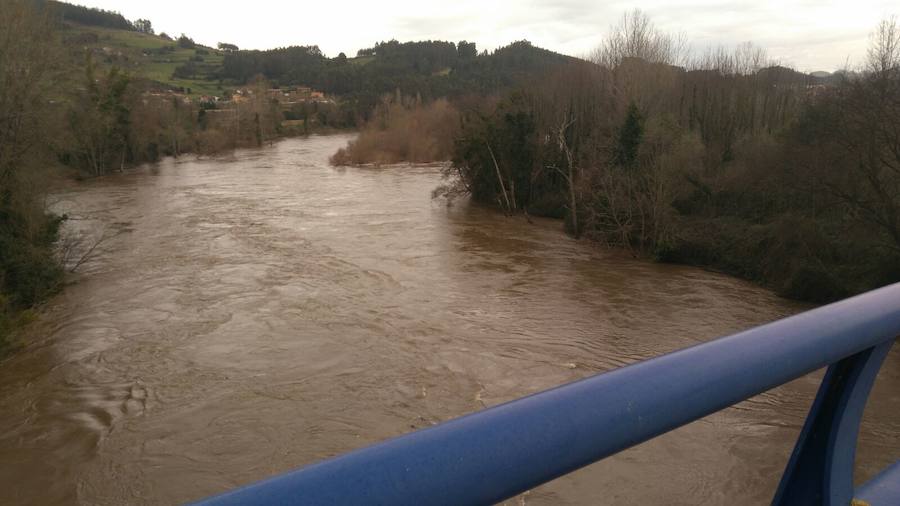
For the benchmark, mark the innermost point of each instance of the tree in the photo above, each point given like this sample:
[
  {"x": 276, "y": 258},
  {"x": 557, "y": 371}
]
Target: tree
[
  {"x": 88, "y": 16},
  {"x": 495, "y": 153},
  {"x": 467, "y": 50},
  {"x": 852, "y": 147},
  {"x": 224, "y": 46},
  {"x": 884, "y": 50},
  {"x": 185, "y": 42},
  {"x": 571, "y": 172},
  {"x": 26, "y": 58},
  {"x": 29, "y": 55},
  {"x": 629, "y": 138},
  {"x": 636, "y": 37},
  {"x": 144, "y": 26},
  {"x": 100, "y": 121},
  {"x": 185, "y": 71}
]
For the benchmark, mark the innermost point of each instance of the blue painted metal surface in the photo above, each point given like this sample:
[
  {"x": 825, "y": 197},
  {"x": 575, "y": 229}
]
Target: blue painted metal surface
[
  {"x": 884, "y": 489},
  {"x": 820, "y": 471},
  {"x": 502, "y": 451}
]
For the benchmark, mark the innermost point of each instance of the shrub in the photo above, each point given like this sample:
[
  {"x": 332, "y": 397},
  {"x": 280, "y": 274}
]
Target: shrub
[
  {"x": 403, "y": 133},
  {"x": 185, "y": 42}
]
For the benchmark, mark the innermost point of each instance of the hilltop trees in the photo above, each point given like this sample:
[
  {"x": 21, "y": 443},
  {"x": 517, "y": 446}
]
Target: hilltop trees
[
  {"x": 144, "y": 26},
  {"x": 85, "y": 15},
  {"x": 185, "y": 42},
  {"x": 466, "y": 50},
  {"x": 300, "y": 64},
  {"x": 431, "y": 69}
]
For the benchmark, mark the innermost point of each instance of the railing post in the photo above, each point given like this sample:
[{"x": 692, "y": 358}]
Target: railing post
[{"x": 820, "y": 470}]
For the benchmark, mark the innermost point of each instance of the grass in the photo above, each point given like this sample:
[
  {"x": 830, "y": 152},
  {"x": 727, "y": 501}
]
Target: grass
[
  {"x": 131, "y": 51},
  {"x": 361, "y": 60}
]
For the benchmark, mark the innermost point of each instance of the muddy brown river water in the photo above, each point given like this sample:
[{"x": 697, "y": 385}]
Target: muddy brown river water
[{"x": 256, "y": 312}]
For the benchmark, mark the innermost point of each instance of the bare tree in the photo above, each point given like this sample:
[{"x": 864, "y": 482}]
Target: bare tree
[
  {"x": 884, "y": 48},
  {"x": 27, "y": 60},
  {"x": 744, "y": 59},
  {"x": 75, "y": 248},
  {"x": 866, "y": 134},
  {"x": 636, "y": 37},
  {"x": 509, "y": 204},
  {"x": 570, "y": 174}
]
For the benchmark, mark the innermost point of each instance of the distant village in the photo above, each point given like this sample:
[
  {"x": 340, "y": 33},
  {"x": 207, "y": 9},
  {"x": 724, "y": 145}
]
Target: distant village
[
  {"x": 290, "y": 101},
  {"x": 283, "y": 96}
]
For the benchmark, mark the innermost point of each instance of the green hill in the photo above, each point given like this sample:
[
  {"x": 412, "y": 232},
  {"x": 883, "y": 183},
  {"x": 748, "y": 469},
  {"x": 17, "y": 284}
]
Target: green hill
[
  {"x": 430, "y": 69},
  {"x": 152, "y": 57}
]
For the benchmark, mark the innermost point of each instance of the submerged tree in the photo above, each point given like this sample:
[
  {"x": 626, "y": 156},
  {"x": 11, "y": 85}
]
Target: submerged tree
[
  {"x": 495, "y": 153},
  {"x": 99, "y": 121}
]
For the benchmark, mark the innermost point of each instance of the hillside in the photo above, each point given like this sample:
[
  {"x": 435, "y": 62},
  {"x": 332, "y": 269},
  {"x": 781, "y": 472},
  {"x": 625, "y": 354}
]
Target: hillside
[
  {"x": 203, "y": 70},
  {"x": 430, "y": 69},
  {"x": 152, "y": 57}
]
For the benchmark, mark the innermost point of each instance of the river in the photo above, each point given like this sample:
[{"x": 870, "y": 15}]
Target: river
[{"x": 255, "y": 312}]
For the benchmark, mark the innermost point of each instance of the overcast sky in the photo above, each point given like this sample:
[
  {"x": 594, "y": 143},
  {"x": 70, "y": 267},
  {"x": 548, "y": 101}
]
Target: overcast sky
[{"x": 807, "y": 34}]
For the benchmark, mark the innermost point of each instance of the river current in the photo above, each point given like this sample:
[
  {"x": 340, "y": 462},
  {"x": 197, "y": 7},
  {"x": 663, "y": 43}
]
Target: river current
[{"x": 254, "y": 312}]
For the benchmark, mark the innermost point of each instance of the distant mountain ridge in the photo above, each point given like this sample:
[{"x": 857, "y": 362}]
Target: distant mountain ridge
[{"x": 429, "y": 69}]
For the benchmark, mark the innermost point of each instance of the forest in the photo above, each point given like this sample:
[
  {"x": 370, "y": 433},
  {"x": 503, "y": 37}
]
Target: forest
[
  {"x": 86, "y": 15},
  {"x": 429, "y": 69}
]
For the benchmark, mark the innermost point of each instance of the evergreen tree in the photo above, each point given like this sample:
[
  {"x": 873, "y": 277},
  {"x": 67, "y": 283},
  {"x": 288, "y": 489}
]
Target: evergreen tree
[{"x": 630, "y": 136}]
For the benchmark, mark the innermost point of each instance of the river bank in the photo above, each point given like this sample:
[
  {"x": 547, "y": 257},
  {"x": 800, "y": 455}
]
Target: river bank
[
  {"x": 261, "y": 310},
  {"x": 41, "y": 274}
]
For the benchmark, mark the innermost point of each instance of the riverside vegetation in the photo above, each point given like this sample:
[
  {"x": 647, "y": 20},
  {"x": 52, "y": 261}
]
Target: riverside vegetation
[
  {"x": 723, "y": 160},
  {"x": 63, "y": 112},
  {"x": 84, "y": 92}
]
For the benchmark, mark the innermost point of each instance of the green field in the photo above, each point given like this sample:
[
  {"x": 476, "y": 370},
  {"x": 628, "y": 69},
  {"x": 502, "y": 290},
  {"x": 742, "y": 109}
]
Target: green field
[
  {"x": 361, "y": 60},
  {"x": 139, "y": 54}
]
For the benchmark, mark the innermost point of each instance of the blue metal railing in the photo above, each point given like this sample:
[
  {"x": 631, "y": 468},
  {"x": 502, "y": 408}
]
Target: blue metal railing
[{"x": 505, "y": 450}]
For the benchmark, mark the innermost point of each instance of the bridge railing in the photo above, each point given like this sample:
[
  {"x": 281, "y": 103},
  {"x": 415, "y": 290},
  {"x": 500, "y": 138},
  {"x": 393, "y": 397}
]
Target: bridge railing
[{"x": 497, "y": 453}]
